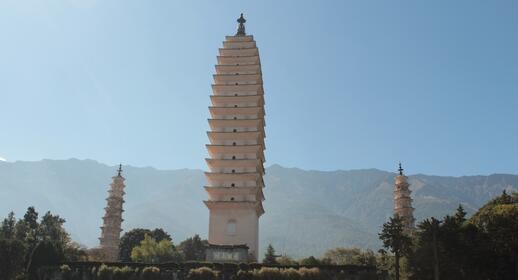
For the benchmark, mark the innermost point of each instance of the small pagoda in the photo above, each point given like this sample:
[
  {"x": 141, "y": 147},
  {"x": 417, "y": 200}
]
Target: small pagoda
[
  {"x": 403, "y": 201},
  {"x": 112, "y": 220}
]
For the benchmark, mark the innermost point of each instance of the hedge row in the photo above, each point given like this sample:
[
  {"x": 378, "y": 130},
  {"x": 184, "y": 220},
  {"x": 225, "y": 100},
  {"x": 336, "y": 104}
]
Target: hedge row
[{"x": 104, "y": 272}]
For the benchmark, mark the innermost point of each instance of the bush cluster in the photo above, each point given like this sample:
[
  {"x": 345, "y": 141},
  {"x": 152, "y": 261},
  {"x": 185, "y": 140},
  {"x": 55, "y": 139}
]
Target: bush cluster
[
  {"x": 236, "y": 272},
  {"x": 272, "y": 273}
]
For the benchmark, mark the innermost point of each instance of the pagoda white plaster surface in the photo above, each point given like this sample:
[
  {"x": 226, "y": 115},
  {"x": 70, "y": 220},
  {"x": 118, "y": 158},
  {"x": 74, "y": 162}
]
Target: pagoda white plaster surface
[
  {"x": 236, "y": 136},
  {"x": 403, "y": 201},
  {"x": 112, "y": 220}
]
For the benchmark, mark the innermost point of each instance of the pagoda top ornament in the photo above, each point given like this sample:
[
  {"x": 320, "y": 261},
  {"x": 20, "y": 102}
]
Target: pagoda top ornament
[
  {"x": 241, "y": 29},
  {"x": 119, "y": 172},
  {"x": 400, "y": 169}
]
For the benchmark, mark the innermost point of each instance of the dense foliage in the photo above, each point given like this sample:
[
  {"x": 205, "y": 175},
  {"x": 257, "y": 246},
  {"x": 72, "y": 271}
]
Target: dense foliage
[
  {"x": 393, "y": 237},
  {"x": 29, "y": 243},
  {"x": 132, "y": 239},
  {"x": 193, "y": 248},
  {"x": 151, "y": 251},
  {"x": 269, "y": 256},
  {"x": 482, "y": 247}
]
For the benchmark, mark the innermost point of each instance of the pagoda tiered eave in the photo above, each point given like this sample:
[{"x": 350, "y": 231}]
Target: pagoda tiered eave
[
  {"x": 235, "y": 204},
  {"x": 236, "y": 111}
]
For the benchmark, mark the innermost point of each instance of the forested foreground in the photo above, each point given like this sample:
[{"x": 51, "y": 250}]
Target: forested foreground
[{"x": 484, "y": 246}]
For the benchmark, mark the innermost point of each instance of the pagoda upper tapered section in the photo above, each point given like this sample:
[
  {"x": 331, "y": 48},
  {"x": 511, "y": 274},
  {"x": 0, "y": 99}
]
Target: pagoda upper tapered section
[
  {"x": 403, "y": 201},
  {"x": 236, "y": 145},
  {"x": 112, "y": 220}
]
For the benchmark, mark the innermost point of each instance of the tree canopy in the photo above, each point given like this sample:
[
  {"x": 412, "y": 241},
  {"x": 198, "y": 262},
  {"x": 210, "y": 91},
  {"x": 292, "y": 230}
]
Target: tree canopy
[{"x": 151, "y": 251}]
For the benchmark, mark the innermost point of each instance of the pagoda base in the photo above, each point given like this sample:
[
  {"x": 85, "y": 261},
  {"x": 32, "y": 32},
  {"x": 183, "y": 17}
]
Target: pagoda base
[{"x": 227, "y": 253}]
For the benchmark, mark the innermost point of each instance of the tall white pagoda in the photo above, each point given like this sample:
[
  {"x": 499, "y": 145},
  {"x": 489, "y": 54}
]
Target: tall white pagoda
[
  {"x": 236, "y": 151},
  {"x": 403, "y": 201},
  {"x": 112, "y": 220}
]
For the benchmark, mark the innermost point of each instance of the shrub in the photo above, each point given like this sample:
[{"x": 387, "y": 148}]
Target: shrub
[
  {"x": 124, "y": 273},
  {"x": 243, "y": 275},
  {"x": 202, "y": 273},
  {"x": 128, "y": 273},
  {"x": 269, "y": 273},
  {"x": 310, "y": 274},
  {"x": 150, "y": 273},
  {"x": 104, "y": 273},
  {"x": 291, "y": 274},
  {"x": 66, "y": 272},
  {"x": 244, "y": 266}
]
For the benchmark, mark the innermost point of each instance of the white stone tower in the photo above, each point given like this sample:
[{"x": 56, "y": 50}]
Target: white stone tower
[
  {"x": 236, "y": 150},
  {"x": 112, "y": 220},
  {"x": 403, "y": 201}
]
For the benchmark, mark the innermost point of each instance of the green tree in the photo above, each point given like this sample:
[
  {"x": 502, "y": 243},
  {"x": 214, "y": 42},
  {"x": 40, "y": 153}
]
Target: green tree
[
  {"x": 286, "y": 260},
  {"x": 353, "y": 256},
  {"x": 51, "y": 229},
  {"x": 269, "y": 257},
  {"x": 394, "y": 239},
  {"x": 12, "y": 254},
  {"x": 31, "y": 218},
  {"x": 193, "y": 248},
  {"x": 309, "y": 261},
  {"x": 45, "y": 253},
  {"x": 132, "y": 239},
  {"x": 7, "y": 230},
  {"x": 483, "y": 247},
  {"x": 151, "y": 251},
  {"x": 498, "y": 220}
]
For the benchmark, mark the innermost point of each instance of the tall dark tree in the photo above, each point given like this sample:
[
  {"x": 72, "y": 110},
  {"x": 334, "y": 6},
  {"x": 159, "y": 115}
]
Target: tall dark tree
[
  {"x": 7, "y": 229},
  {"x": 483, "y": 247},
  {"x": 394, "y": 239},
  {"x": 46, "y": 253},
  {"x": 432, "y": 226},
  {"x": 132, "y": 239},
  {"x": 270, "y": 257},
  {"x": 12, "y": 255},
  {"x": 31, "y": 218},
  {"x": 498, "y": 220},
  {"x": 193, "y": 248},
  {"x": 51, "y": 229}
]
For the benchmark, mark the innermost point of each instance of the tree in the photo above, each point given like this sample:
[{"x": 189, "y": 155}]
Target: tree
[
  {"x": 151, "y": 251},
  {"x": 394, "y": 239},
  {"x": 45, "y": 253},
  {"x": 309, "y": 261},
  {"x": 132, "y": 239},
  {"x": 75, "y": 252},
  {"x": 498, "y": 220},
  {"x": 193, "y": 248},
  {"x": 12, "y": 254},
  {"x": 51, "y": 229},
  {"x": 354, "y": 256},
  {"x": 31, "y": 218},
  {"x": 286, "y": 260},
  {"x": 432, "y": 226},
  {"x": 7, "y": 230},
  {"x": 270, "y": 257}
]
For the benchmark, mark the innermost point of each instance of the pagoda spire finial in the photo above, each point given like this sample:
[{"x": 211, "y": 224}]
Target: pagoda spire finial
[
  {"x": 400, "y": 169},
  {"x": 241, "y": 29},
  {"x": 120, "y": 170}
]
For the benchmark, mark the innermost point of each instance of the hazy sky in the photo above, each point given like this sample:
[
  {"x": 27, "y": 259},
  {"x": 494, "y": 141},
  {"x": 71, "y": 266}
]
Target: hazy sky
[{"x": 348, "y": 84}]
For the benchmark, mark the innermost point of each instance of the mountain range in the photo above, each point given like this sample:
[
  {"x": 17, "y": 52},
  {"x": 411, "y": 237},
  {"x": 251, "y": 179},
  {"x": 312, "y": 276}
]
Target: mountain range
[{"x": 307, "y": 212}]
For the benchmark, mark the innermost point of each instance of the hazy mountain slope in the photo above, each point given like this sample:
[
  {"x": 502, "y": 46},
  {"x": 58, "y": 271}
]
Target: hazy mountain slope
[{"x": 307, "y": 212}]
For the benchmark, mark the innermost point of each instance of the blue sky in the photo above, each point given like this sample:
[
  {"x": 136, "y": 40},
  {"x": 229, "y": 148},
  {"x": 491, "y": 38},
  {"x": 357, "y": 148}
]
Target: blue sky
[{"x": 349, "y": 84}]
